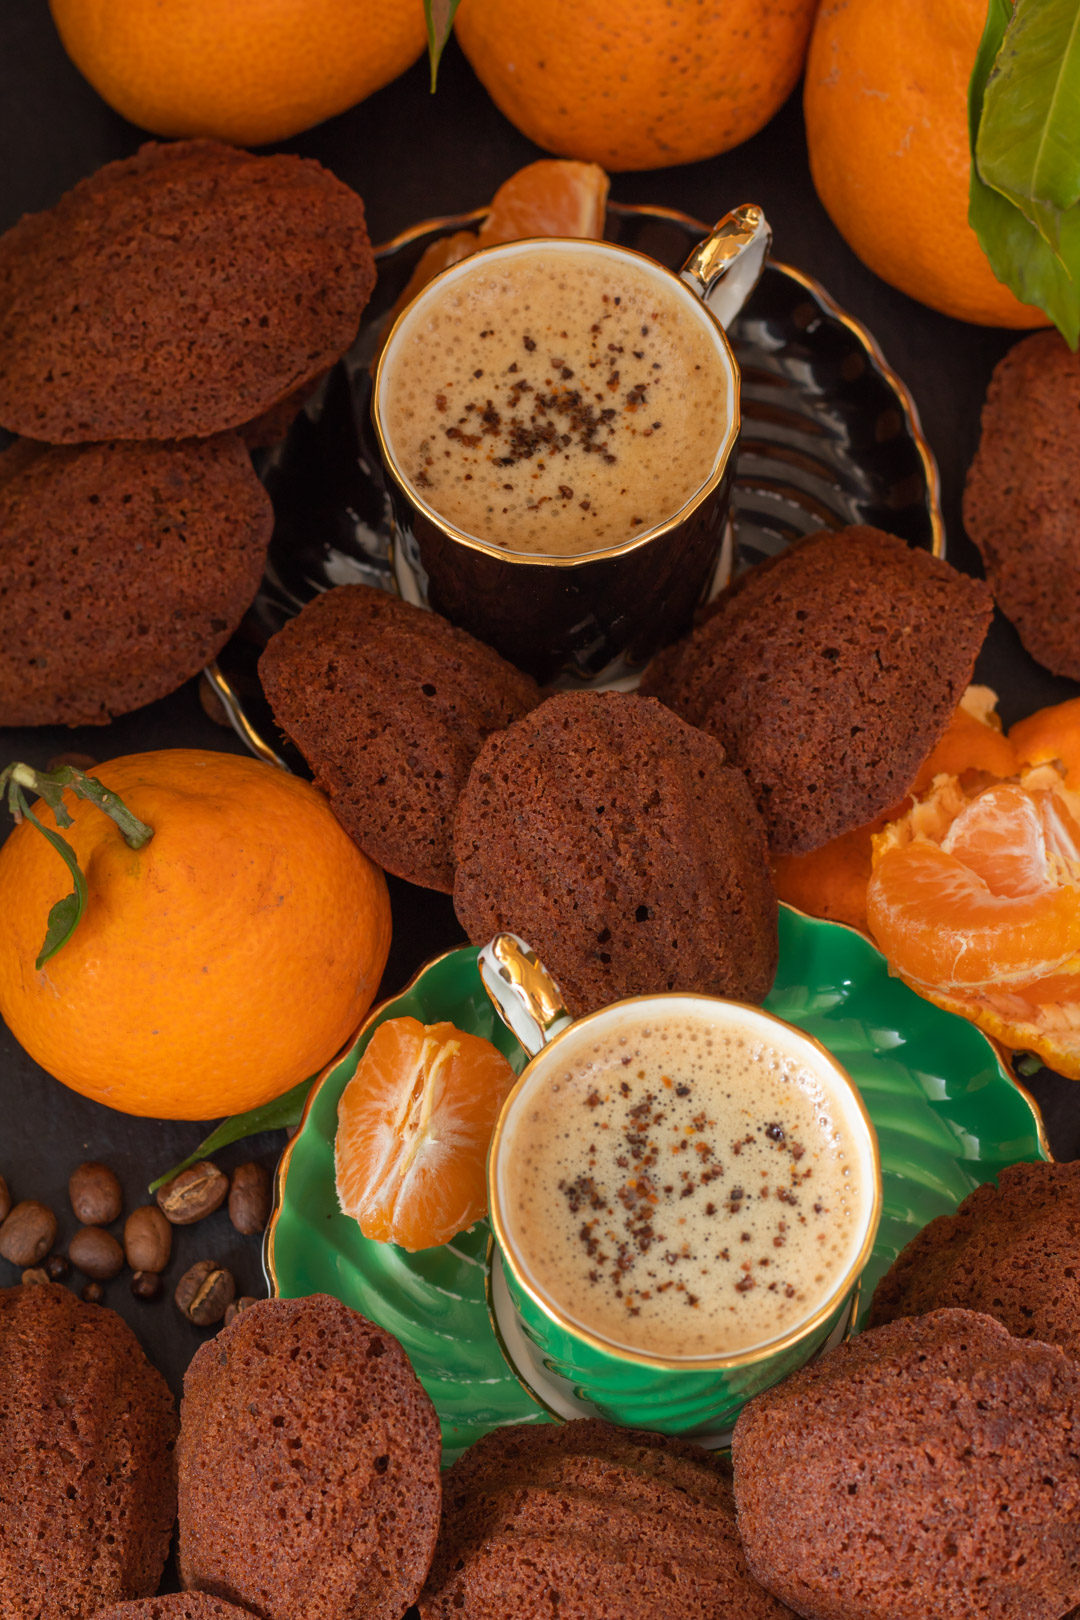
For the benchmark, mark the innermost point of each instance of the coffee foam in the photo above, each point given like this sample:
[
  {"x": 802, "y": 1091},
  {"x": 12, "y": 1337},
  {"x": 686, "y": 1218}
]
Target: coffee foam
[
  {"x": 684, "y": 1189},
  {"x": 556, "y": 402}
]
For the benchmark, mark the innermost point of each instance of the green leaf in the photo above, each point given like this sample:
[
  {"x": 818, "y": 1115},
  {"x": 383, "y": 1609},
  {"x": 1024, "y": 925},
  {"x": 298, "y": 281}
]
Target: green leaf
[
  {"x": 1028, "y": 143},
  {"x": 282, "y": 1114},
  {"x": 440, "y": 18},
  {"x": 1019, "y": 254},
  {"x": 65, "y": 913}
]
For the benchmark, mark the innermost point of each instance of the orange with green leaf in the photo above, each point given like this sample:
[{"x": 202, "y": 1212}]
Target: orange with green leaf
[{"x": 223, "y": 940}]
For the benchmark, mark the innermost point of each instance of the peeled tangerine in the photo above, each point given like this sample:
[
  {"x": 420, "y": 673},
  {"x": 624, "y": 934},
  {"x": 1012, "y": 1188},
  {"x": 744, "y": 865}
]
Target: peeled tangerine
[
  {"x": 975, "y": 901},
  {"x": 414, "y": 1126}
]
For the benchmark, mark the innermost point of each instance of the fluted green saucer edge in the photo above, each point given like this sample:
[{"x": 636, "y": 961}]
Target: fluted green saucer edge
[{"x": 947, "y": 1114}]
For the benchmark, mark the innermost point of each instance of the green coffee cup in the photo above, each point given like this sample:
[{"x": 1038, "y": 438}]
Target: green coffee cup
[{"x": 700, "y": 1386}]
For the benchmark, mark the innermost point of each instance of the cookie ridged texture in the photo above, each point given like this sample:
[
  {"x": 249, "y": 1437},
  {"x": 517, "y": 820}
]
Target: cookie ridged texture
[
  {"x": 175, "y": 1606},
  {"x": 927, "y": 1467},
  {"x": 828, "y": 674},
  {"x": 308, "y": 1466},
  {"x": 124, "y": 568},
  {"x": 594, "y": 1521},
  {"x": 177, "y": 293},
  {"x": 87, "y": 1463},
  {"x": 1011, "y": 1251},
  {"x": 1022, "y": 497},
  {"x": 616, "y": 840},
  {"x": 389, "y": 704}
]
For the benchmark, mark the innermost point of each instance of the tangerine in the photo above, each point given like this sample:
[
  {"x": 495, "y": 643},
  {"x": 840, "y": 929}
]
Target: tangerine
[
  {"x": 414, "y": 1126},
  {"x": 636, "y": 87},
  {"x": 885, "y": 100},
  {"x": 248, "y": 71},
  {"x": 975, "y": 901},
  {"x": 225, "y": 961}
]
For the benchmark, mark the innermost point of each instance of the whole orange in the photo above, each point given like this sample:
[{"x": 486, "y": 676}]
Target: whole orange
[
  {"x": 248, "y": 71},
  {"x": 886, "y": 125},
  {"x": 636, "y": 86},
  {"x": 225, "y": 961}
]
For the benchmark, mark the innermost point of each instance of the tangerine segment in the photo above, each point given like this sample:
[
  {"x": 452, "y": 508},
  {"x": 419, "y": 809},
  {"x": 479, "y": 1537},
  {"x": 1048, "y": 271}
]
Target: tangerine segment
[
  {"x": 980, "y": 891},
  {"x": 414, "y": 1126},
  {"x": 938, "y": 921}
]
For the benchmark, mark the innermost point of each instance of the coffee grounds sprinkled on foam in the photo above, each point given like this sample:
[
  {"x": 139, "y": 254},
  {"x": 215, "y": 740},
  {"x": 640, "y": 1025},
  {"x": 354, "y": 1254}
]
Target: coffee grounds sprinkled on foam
[
  {"x": 550, "y": 415},
  {"x": 684, "y": 1193}
]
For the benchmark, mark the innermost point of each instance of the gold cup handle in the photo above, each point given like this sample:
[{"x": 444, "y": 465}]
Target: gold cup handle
[
  {"x": 522, "y": 991},
  {"x": 725, "y": 268}
]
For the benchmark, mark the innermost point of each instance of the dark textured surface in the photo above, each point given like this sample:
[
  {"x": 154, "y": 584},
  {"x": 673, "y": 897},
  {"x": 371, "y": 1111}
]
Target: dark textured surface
[
  {"x": 308, "y": 1466},
  {"x": 412, "y": 155},
  {"x": 588, "y": 1520},
  {"x": 87, "y": 1470},
  {"x": 1022, "y": 498},
  {"x": 829, "y": 673},
  {"x": 615, "y": 839},
  {"x": 1012, "y": 1251},
  {"x": 389, "y": 705},
  {"x": 929, "y": 1467},
  {"x": 124, "y": 568},
  {"x": 180, "y": 291}
]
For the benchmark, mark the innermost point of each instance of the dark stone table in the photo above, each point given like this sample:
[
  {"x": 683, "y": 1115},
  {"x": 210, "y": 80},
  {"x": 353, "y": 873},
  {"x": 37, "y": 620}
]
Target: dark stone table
[{"x": 411, "y": 155}]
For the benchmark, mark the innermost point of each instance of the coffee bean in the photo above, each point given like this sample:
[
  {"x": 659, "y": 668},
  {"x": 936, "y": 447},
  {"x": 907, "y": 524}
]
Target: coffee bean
[
  {"x": 193, "y": 1194},
  {"x": 147, "y": 1239},
  {"x": 28, "y": 1233},
  {"x": 239, "y": 1305},
  {"x": 249, "y": 1198},
  {"x": 57, "y": 1267},
  {"x": 92, "y": 1293},
  {"x": 146, "y": 1285},
  {"x": 5, "y": 1200},
  {"x": 205, "y": 1293},
  {"x": 35, "y": 1274},
  {"x": 96, "y": 1195},
  {"x": 96, "y": 1253}
]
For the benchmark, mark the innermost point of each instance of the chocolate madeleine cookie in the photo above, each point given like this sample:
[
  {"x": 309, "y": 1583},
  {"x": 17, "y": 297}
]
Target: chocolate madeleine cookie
[
  {"x": 616, "y": 840},
  {"x": 828, "y": 674},
  {"x": 389, "y": 705},
  {"x": 930, "y": 1467},
  {"x": 87, "y": 1470},
  {"x": 178, "y": 292},
  {"x": 1022, "y": 497},
  {"x": 589, "y": 1519},
  {"x": 1012, "y": 1251},
  {"x": 308, "y": 1466},
  {"x": 124, "y": 568}
]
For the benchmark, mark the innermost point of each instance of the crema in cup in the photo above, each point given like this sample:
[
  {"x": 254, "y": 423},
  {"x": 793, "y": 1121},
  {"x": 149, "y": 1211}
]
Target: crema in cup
[
  {"x": 682, "y": 1186},
  {"x": 555, "y": 402}
]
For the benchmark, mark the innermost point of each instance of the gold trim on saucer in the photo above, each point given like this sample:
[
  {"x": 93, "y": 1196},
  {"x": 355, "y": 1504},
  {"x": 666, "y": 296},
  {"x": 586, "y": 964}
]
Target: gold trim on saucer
[
  {"x": 239, "y": 721},
  {"x": 865, "y": 337}
]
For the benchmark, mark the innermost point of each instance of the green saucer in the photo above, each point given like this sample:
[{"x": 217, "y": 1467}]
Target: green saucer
[{"x": 948, "y": 1117}]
